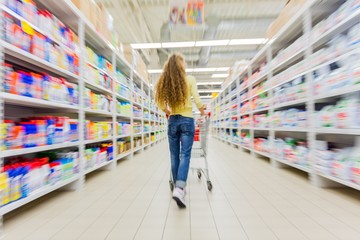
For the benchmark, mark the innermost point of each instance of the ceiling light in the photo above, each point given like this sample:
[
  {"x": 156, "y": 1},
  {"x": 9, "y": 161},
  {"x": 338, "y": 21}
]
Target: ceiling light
[
  {"x": 224, "y": 75},
  {"x": 222, "y": 69},
  {"x": 155, "y": 71},
  {"x": 225, "y": 42},
  {"x": 250, "y": 41},
  {"x": 206, "y": 97},
  {"x": 212, "y": 43},
  {"x": 209, "y": 83},
  {"x": 195, "y": 70},
  {"x": 145, "y": 45},
  {"x": 204, "y": 69},
  {"x": 177, "y": 44}
]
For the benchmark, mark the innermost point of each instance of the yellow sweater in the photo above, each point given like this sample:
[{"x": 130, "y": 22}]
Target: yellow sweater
[{"x": 186, "y": 111}]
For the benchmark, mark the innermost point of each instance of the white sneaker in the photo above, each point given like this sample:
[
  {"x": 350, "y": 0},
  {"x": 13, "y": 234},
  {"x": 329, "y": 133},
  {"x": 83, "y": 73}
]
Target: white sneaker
[{"x": 179, "y": 197}]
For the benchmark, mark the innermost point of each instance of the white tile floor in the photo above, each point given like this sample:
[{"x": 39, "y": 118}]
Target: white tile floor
[{"x": 250, "y": 200}]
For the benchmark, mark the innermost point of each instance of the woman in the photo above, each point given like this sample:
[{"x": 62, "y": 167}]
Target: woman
[{"x": 173, "y": 95}]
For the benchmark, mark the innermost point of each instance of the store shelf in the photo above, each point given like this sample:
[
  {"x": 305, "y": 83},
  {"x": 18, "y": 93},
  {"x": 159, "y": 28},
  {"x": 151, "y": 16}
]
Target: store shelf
[
  {"x": 137, "y": 134},
  {"x": 99, "y": 69},
  {"x": 73, "y": 18},
  {"x": 260, "y": 78},
  {"x": 341, "y": 131},
  {"x": 301, "y": 26},
  {"x": 265, "y": 154},
  {"x": 23, "y": 56},
  {"x": 246, "y": 113},
  {"x": 98, "y": 140},
  {"x": 338, "y": 180},
  {"x": 23, "y": 151},
  {"x": 37, "y": 103},
  {"x": 300, "y": 167},
  {"x": 98, "y": 112},
  {"x": 337, "y": 93},
  {"x": 96, "y": 87},
  {"x": 296, "y": 56},
  {"x": 96, "y": 167},
  {"x": 123, "y": 136},
  {"x": 291, "y": 129},
  {"x": 137, "y": 104},
  {"x": 245, "y": 147},
  {"x": 37, "y": 29},
  {"x": 245, "y": 100},
  {"x": 337, "y": 29},
  {"x": 261, "y": 110},
  {"x": 123, "y": 116},
  {"x": 124, "y": 63},
  {"x": 138, "y": 148},
  {"x": 261, "y": 129},
  {"x": 122, "y": 155},
  {"x": 35, "y": 195},
  {"x": 293, "y": 103},
  {"x": 146, "y": 145},
  {"x": 122, "y": 97}
]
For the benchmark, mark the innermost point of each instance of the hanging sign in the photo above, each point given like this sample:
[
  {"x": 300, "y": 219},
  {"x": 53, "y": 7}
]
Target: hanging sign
[
  {"x": 195, "y": 12},
  {"x": 186, "y": 12}
]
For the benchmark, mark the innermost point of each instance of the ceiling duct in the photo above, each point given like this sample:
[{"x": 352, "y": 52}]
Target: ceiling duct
[
  {"x": 210, "y": 34},
  {"x": 258, "y": 28},
  {"x": 165, "y": 36}
]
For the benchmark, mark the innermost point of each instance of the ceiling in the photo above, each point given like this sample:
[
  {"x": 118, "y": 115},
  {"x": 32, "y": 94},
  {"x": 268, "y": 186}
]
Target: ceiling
[{"x": 141, "y": 21}]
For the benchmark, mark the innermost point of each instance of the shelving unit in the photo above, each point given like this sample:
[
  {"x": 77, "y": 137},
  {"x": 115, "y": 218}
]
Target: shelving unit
[
  {"x": 66, "y": 11},
  {"x": 288, "y": 61}
]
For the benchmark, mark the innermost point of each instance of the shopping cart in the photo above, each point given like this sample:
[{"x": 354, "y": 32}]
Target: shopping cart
[{"x": 199, "y": 152}]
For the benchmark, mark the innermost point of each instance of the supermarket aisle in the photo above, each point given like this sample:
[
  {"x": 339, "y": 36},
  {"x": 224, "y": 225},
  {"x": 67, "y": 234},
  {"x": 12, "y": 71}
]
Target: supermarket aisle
[{"x": 250, "y": 200}]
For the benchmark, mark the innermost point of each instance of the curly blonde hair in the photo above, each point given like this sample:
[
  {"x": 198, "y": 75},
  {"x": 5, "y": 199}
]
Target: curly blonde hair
[{"x": 171, "y": 88}]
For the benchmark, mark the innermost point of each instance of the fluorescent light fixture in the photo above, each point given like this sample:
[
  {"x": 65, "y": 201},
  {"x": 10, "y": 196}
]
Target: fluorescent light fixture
[
  {"x": 222, "y": 69},
  {"x": 225, "y": 75},
  {"x": 204, "y": 69},
  {"x": 195, "y": 70},
  {"x": 209, "y": 91},
  {"x": 250, "y": 41},
  {"x": 155, "y": 71},
  {"x": 212, "y": 43},
  {"x": 206, "y": 97},
  {"x": 145, "y": 45},
  {"x": 225, "y": 42},
  {"x": 209, "y": 83},
  {"x": 177, "y": 44}
]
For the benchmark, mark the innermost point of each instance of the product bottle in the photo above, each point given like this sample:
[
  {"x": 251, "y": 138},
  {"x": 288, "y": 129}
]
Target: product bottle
[
  {"x": 25, "y": 181},
  {"x": 15, "y": 184}
]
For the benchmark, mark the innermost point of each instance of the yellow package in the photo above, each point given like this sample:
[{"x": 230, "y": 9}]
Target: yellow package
[{"x": 4, "y": 188}]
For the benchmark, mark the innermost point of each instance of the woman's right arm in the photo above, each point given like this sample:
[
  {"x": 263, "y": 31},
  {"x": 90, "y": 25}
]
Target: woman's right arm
[{"x": 195, "y": 95}]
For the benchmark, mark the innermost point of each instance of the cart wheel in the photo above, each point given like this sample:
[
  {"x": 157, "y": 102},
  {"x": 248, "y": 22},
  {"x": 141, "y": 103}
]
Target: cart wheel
[
  {"x": 209, "y": 185},
  {"x": 171, "y": 184},
  {"x": 199, "y": 174}
]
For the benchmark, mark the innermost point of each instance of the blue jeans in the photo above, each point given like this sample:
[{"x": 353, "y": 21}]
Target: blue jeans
[{"x": 181, "y": 132}]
